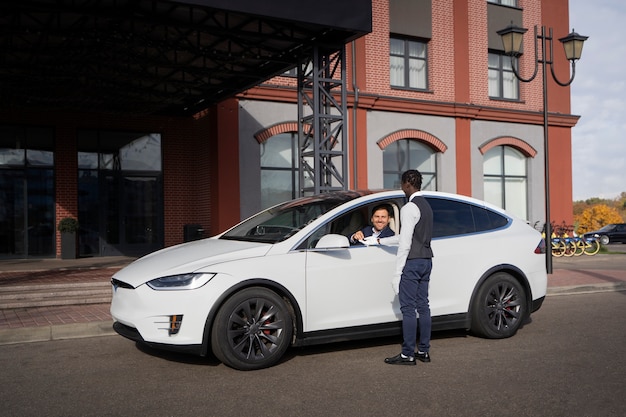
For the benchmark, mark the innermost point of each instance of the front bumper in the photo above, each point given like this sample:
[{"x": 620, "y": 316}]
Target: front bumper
[
  {"x": 147, "y": 315},
  {"x": 132, "y": 334}
]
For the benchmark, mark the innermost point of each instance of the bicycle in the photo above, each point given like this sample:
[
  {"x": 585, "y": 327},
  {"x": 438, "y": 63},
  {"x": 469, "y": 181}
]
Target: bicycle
[
  {"x": 558, "y": 247},
  {"x": 571, "y": 248},
  {"x": 588, "y": 246},
  {"x": 562, "y": 244}
]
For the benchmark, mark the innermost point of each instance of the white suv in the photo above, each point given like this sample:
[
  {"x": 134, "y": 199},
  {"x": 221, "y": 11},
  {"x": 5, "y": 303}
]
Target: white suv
[{"x": 288, "y": 276}]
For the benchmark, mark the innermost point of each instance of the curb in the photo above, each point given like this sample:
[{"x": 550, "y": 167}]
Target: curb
[
  {"x": 56, "y": 332},
  {"x": 586, "y": 289}
]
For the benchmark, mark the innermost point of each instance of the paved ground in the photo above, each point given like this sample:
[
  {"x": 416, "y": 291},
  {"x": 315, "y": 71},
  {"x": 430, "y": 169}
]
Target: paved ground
[{"x": 602, "y": 272}]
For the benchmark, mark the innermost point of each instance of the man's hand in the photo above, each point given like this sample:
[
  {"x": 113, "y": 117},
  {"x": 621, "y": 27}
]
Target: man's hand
[
  {"x": 369, "y": 241},
  {"x": 395, "y": 284},
  {"x": 358, "y": 236}
]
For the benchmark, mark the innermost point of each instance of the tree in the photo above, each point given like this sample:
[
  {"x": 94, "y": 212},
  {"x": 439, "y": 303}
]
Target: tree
[{"x": 595, "y": 217}]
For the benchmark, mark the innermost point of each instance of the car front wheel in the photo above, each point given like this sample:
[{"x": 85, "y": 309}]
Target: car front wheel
[
  {"x": 499, "y": 308},
  {"x": 252, "y": 330},
  {"x": 604, "y": 239}
]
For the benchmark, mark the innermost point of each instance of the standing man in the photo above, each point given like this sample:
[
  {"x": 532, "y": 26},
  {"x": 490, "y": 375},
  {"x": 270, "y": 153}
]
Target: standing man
[{"x": 413, "y": 266}]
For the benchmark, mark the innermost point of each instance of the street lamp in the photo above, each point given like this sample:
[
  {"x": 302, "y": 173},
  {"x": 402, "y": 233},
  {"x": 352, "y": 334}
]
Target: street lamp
[{"x": 573, "y": 44}]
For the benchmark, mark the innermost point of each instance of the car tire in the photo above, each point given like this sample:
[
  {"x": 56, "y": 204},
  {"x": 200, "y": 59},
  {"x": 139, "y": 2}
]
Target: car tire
[
  {"x": 604, "y": 239},
  {"x": 252, "y": 330},
  {"x": 499, "y": 307}
]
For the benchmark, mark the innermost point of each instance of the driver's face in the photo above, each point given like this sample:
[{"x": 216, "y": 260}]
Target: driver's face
[{"x": 380, "y": 219}]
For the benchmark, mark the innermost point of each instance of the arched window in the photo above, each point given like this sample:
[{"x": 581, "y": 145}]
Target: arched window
[
  {"x": 506, "y": 180},
  {"x": 406, "y": 154},
  {"x": 279, "y": 169}
]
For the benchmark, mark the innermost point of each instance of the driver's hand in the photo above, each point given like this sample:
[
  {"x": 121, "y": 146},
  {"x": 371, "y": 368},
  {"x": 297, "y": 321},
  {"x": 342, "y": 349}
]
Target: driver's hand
[
  {"x": 368, "y": 241},
  {"x": 358, "y": 236}
]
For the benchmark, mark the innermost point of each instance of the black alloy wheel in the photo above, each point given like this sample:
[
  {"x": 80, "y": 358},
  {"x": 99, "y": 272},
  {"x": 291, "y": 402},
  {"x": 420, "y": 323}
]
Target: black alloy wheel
[
  {"x": 500, "y": 307},
  {"x": 252, "y": 330}
]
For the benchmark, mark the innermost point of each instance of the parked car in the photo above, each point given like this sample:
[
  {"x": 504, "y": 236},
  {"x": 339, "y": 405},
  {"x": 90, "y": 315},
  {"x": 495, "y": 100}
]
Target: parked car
[
  {"x": 288, "y": 276},
  {"x": 611, "y": 233}
]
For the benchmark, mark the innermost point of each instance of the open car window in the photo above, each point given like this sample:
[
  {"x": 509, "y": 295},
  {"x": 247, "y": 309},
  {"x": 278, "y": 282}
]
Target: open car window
[{"x": 351, "y": 221}]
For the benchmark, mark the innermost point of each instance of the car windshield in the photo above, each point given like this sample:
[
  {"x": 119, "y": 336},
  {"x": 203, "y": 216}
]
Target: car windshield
[
  {"x": 607, "y": 228},
  {"x": 280, "y": 222}
]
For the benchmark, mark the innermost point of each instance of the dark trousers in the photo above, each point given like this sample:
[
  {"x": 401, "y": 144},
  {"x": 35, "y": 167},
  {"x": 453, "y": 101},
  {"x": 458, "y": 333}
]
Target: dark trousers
[{"x": 414, "y": 298}]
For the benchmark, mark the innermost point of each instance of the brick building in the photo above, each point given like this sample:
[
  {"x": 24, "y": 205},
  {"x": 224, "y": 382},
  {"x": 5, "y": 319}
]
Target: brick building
[
  {"x": 471, "y": 125},
  {"x": 427, "y": 87}
]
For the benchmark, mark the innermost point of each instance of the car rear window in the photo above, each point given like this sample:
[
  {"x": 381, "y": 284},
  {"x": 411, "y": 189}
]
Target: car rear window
[{"x": 453, "y": 218}]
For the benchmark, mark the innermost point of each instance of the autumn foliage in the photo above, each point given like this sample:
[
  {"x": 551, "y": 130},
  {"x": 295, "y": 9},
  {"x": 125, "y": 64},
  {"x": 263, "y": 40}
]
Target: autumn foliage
[{"x": 594, "y": 213}]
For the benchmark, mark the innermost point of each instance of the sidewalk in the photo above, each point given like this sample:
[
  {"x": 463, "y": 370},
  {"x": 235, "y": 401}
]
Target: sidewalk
[
  {"x": 74, "y": 320},
  {"x": 77, "y": 319}
]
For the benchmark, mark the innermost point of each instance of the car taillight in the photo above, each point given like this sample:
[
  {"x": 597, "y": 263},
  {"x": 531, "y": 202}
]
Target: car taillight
[{"x": 541, "y": 247}]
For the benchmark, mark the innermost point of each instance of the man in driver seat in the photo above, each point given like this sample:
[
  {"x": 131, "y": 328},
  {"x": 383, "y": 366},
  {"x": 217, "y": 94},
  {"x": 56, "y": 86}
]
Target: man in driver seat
[{"x": 381, "y": 216}]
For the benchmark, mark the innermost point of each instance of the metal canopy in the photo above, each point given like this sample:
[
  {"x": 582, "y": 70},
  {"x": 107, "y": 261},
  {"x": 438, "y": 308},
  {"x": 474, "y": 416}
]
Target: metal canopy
[{"x": 158, "y": 56}]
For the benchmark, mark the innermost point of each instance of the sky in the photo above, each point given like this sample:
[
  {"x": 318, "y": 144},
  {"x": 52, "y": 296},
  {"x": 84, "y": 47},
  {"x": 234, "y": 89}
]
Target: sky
[{"x": 598, "y": 95}]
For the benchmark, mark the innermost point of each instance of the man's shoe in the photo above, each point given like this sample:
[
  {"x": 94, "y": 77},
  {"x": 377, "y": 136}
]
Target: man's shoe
[
  {"x": 400, "y": 359},
  {"x": 422, "y": 356}
]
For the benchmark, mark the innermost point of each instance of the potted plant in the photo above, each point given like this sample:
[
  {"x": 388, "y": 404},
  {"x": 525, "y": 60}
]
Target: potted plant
[{"x": 68, "y": 226}]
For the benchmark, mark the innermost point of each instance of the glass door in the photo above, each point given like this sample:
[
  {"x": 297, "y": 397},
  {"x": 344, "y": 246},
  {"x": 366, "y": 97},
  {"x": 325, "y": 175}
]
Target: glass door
[
  {"x": 131, "y": 215},
  {"x": 12, "y": 236},
  {"x": 120, "y": 200},
  {"x": 26, "y": 213},
  {"x": 40, "y": 212}
]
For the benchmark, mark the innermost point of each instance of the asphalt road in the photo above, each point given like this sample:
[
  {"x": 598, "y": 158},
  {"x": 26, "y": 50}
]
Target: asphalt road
[{"x": 570, "y": 361}]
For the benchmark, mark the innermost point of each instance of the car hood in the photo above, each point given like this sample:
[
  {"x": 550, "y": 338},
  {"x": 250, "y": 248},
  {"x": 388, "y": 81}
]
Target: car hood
[{"x": 188, "y": 257}]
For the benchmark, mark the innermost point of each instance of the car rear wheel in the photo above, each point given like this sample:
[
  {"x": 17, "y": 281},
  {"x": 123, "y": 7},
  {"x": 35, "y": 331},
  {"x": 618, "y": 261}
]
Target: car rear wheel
[
  {"x": 252, "y": 330},
  {"x": 604, "y": 239},
  {"x": 500, "y": 307}
]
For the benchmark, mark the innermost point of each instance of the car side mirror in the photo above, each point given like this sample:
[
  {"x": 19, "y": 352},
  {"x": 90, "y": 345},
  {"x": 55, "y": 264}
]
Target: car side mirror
[{"x": 332, "y": 241}]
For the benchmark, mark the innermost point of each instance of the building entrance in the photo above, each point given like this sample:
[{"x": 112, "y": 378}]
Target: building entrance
[
  {"x": 26, "y": 213},
  {"x": 120, "y": 194},
  {"x": 27, "y": 226}
]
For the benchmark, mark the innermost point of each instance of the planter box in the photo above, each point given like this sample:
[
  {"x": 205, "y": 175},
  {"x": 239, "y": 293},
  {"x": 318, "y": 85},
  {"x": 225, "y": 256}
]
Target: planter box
[{"x": 68, "y": 245}]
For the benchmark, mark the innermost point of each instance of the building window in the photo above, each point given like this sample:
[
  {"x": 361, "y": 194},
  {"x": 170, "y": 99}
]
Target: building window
[
  {"x": 120, "y": 193},
  {"x": 27, "y": 212},
  {"x": 408, "y": 64},
  {"x": 406, "y": 154},
  {"x": 512, "y": 3},
  {"x": 503, "y": 84},
  {"x": 280, "y": 178},
  {"x": 505, "y": 179}
]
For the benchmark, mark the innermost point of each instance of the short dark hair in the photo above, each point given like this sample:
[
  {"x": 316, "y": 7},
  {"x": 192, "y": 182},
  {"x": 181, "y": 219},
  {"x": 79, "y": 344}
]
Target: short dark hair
[
  {"x": 383, "y": 207},
  {"x": 413, "y": 177}
]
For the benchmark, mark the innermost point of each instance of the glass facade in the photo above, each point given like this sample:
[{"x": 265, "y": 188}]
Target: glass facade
[
  {"x": 27, "y": 216},
  {"x": 119, "y": 193}
]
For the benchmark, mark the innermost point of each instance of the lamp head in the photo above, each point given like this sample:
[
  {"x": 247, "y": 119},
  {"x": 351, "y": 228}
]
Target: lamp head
[
  {"x": 512, "y": 37},
  {"x": 573, "y": 45}
]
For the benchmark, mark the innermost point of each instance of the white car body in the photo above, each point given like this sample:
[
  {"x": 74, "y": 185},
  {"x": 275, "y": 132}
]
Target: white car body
[{"x": 333, "y": 293}]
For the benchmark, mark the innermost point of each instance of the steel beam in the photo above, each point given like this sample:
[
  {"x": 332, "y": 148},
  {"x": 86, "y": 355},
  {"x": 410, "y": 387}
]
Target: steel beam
[{"x": 322, "y": 119}]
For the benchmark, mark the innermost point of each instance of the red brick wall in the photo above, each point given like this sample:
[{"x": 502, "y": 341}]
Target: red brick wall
[
  {"x": 186, "y": 188},
  {"x": 66, "y": 177}
]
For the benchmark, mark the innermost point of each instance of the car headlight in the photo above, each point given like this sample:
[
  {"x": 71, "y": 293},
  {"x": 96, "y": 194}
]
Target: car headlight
[{"x": 180, "y": 282}]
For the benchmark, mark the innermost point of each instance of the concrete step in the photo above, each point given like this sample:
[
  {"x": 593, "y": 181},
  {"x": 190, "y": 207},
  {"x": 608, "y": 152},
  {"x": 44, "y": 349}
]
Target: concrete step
[{"x": 54, "y": 295}]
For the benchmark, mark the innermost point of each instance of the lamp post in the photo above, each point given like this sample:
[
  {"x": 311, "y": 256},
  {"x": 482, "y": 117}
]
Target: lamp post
[{"x": 573, "y": 44}]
